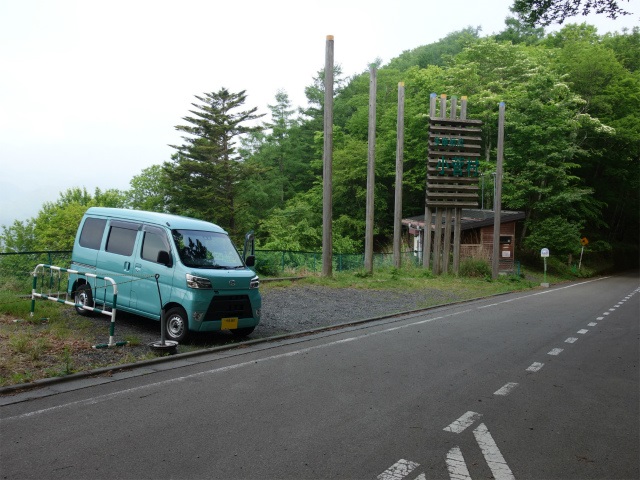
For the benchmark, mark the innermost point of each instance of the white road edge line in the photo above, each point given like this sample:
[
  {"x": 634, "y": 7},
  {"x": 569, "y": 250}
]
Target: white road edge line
[
  {"x": 456, "y": 465},
  {"x": 463, "y": 422},
  {"x": 506, "y": 389},
  {"x": 543, "y": 292},
  {"x": 535, "y": 367},
  {"x": 492, "y": 455},
  {"x": 398, "y": 470}
]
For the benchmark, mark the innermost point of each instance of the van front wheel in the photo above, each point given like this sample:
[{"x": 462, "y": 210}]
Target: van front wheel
[{"x": 176, "y": 325}]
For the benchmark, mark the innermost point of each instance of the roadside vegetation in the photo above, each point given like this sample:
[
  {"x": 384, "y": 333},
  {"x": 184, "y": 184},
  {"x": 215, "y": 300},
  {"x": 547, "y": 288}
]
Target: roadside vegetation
[{"x": 56, "y": 342}]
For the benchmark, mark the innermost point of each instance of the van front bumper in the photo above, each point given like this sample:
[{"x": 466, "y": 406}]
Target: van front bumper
[{"x": 241, "y": 308}]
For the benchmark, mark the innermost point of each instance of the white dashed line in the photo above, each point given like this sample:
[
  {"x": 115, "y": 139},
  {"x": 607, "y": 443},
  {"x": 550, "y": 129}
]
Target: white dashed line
[
  {"x": 535, "y": 366},
  {"x": 456, "y": 465},
  {"x": 612, "y": 309},
  {"x": 606, "y": 313},
  {"x": 506, "y": 389},
  {"x": 571, "y": 340},
  {"x": 492, "y": 455},
  {"x": 600, "y": 318},
  {"x": 555, "y": 351},
  {"x": 398, "y": 470},
  {"x": 583, "y": 331},
  {"x": 463, "y": 422},
  {"x": 591, "y": 324}
]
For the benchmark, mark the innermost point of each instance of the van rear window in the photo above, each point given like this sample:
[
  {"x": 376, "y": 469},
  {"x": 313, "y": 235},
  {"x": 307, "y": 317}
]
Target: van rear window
[
  {"x": 92, "y": 231},
  {"x": 122, "y": 238}
]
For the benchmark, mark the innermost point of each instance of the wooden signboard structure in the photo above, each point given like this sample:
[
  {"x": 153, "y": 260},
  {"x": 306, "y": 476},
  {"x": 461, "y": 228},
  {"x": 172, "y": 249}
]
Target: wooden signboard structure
[{"x": 452, "y": 179}]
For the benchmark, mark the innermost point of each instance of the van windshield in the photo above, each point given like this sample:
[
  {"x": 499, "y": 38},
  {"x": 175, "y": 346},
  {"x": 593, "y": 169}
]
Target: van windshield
[{"x": 201, "y": 249}]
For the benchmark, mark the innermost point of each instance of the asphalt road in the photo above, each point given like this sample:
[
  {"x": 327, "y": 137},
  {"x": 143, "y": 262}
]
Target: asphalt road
[{"x": 539, "y": 385}]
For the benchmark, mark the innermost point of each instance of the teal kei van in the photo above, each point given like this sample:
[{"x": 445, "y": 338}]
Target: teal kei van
[{"x": 185, "y": 269}]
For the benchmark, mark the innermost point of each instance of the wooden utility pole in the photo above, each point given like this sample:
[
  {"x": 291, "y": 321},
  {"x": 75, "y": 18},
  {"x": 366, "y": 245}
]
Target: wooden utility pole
[
  {"x": 428, "y": 213},
  {"x": 371, "y": 171},
  {"x": 397, "y": 216},
  {"x": 495, "y": 257},
  {"x": 327, "y": 163}
]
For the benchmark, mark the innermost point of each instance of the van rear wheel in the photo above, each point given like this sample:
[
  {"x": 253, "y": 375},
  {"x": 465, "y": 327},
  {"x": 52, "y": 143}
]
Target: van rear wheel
[
  {"x": 83, "y": 296},
  {"x": 176, "y": 325}
]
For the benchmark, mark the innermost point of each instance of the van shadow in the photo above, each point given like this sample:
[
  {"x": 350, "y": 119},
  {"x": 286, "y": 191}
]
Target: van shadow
[{"x": 146, "y": 331}]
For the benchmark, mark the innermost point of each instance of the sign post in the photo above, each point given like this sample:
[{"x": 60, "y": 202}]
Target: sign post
[
  {"x": 544, "y": 253},
  {"x": 584, "y": 241}
]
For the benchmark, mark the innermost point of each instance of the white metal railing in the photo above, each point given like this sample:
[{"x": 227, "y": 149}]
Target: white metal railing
[{"x": 54, "y": 280}]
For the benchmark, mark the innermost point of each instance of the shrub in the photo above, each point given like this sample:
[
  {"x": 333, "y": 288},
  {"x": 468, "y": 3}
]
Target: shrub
[{"x": 475, "y": 267}]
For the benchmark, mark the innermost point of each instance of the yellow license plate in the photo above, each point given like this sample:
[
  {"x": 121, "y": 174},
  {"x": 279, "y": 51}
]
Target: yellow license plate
[{"x": 229, "y": 323}]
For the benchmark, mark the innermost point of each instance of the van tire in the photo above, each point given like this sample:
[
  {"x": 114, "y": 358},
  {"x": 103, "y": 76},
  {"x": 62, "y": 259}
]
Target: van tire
[
  {"x": 83, "y": 296},
  {"x": 243, "y": 332},
  {"x": 176, "y": 325}
]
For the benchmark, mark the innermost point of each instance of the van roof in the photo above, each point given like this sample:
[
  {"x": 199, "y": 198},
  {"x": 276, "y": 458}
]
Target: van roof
[{"x": 165, "y": 219}]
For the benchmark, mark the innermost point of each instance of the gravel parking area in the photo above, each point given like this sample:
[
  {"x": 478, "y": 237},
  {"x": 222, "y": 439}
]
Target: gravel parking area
[{"x": 298, "y": 308}]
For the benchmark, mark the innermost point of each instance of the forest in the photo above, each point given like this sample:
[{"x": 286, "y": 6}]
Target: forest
[{"x": 571, "y": 158}]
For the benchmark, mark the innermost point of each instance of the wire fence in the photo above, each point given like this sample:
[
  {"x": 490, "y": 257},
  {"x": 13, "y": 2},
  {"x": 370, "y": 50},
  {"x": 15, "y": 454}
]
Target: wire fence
[
  {"x": 18, "y": 266},
  {"x": 276, "y": 262}
]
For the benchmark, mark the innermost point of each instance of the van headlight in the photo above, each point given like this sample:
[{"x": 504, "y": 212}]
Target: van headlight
[
  {"x": 255, "y": 282},
  {"x": 198, "y": 282}
]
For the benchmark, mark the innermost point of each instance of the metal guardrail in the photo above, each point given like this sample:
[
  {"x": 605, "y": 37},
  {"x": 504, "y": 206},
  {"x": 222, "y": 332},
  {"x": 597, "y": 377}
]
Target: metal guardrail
[{"x": 54, "y": 280}]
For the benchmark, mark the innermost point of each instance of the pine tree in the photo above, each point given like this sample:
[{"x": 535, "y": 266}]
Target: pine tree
[{"x": 205, "y": 171}]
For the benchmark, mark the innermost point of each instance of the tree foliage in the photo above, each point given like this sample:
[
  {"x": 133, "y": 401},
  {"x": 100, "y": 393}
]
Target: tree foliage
[
  {"x": 55, "y": 226},
  {"x": 546, "y": 12}
]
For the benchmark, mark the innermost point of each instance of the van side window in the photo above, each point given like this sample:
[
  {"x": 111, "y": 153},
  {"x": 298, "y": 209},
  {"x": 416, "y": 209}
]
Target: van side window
[
  {"x": 122, "y": 237},
  {"x": 154, "y": 241},
  {"x": 92, "y": 231}
]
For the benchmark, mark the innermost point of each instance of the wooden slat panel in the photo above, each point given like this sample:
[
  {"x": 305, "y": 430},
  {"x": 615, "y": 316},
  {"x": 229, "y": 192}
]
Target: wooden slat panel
[
  {"x": 452, "y": 204},
  {"x": 433, "y": 156},
  {"x": 448, "y": 195},
  {"x": 447, "y": 180},
  {"x": 448, "y": 121},
  {"x": 462, "y": 188}
]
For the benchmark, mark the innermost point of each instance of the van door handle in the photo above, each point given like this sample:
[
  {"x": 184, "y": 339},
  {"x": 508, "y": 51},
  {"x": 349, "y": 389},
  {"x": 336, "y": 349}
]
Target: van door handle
[{"x": 127, "y": 266}]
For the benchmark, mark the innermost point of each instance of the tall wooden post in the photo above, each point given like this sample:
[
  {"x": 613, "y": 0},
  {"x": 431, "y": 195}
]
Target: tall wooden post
[
  {"x": 327, "y": 165},
  {"x": 397, "y": 216},
  {"x": 371, "y": 171},
  {"x": 457, "y": 234},
  {"x": 495, "y": 258},
  {"x": 428, "y": 213}
]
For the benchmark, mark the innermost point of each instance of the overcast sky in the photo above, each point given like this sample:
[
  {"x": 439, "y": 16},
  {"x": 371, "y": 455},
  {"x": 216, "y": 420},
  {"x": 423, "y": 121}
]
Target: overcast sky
[{"x": 90, "y": 90}]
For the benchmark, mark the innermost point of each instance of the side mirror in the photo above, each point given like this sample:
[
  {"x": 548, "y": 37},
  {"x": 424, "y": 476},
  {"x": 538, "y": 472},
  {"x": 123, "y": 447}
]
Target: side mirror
[
  {"x": 250, "y": 261},
  {"x": 164, "y": 258}
]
